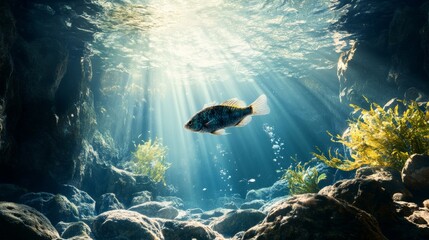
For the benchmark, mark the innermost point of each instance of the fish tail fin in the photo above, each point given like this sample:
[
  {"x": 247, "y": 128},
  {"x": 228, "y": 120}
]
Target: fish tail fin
[{"x": 260, "y": 106}]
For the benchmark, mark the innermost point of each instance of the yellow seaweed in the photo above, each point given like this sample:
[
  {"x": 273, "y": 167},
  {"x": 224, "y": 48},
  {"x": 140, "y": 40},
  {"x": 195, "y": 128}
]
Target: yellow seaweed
[
  {"x": 383, "y": 137},
  {"x": 150, "y": 160}
]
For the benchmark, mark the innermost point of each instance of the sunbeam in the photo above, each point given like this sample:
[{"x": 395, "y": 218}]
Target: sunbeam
[{"x": 194, "y": 53}]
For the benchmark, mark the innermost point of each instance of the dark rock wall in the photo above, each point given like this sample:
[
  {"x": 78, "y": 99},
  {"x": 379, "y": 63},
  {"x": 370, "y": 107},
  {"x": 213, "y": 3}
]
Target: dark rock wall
[
  {"x": 45, "y": 75},
  {"x": 390, "y": 55}
]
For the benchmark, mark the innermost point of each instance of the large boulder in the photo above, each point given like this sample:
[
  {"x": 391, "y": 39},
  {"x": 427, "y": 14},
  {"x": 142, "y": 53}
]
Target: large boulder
[
  {"x": 141, "y": 197},
  {"x": 368, "y": 195},
  {"x": 236, "y": 221},
  {"x": 103, "y": 178},
  {"x": 278, "y": 189},
  {"x": 313, "y": 216},
  {"x": 365, "y": 194},
  {"x": 156, "y": 209},
  {"x": 173, "y": 230},
  {"x": 18, "y": 221},
  {"x": 55, "y": 207},
  {"x": 123, "y": 224},
  {"x": 82, "y": 200},
  {"x": 74, "y": 230},
  {"x": 415, "y": 175},
  {"x": 389, "y": 179},
  {"x": 107, "y": 202},
  {"x": 255, "y": 204}
]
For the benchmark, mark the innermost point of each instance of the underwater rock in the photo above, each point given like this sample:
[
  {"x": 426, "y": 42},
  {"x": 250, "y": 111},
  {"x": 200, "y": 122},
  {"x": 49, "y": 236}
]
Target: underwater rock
[
  {"x": 156, "y": 209},
  {"x": 124, "y": 224},
  {"x": 55, "y": 207},
  {"x": 255, "y": 204},
  {"x": 421, "y": 218},
  {"x": 11, "y": 192},
  {"x": 104, "y": 145},
  {"x": 238, "y": 236},
  {"x": 173, "y": 230},
  {"x": 314, "y": 216},
  {"x": 175, "y": 201},
  {"x": 82, "y": 200},
  {"x": 236, "y": 221},
  {"x": 18, "y": 221},
  {"x": 230, "y": 205},
  {"x": 214, "y": 213},
  {"x": 278, "y": 189},
  {"x": 415, "y": 175},
  {"x": 107, "y": 202},
  {"x": 426, "y": 203},
  {"x": 368, "y": 195},
  {"x": 357, "y": 77},
  {"x": 103, "y": 178},
  {"x": 268, "y": 205},
  {"x": 405, "y": 209},
  {"x": 389, "y": 179},
  {"x": 141, "y": 197},
  {"x": 258, "y": 194},
  {"x": 195, "y": 211},
  {"x": 74, "y": 230}
]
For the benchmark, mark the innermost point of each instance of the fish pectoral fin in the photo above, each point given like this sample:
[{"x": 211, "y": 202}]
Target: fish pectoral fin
[
  {"x": 219, "y": 132},
  {"x": 211, "y": 122},
  {"x": 244, "y": 122}
]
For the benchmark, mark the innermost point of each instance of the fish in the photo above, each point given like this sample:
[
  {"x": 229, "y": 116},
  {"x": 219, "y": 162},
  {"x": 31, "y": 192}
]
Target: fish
[{"x": 231, "y": 113}]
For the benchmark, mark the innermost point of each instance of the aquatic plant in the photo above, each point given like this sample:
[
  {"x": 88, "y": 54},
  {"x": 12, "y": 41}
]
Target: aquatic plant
[
  {"x": 302, "y": 179},
  {"x": 150, "y": 159},
  {"x": 383, "y": 137}
]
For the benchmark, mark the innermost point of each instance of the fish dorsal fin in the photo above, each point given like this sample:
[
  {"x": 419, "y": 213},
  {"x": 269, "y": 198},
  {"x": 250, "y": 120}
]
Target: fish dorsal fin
[
  {"x": 234, "y": 102},
  {"x": 244, "y": 122},
  {"x": 211, "y": 104}
]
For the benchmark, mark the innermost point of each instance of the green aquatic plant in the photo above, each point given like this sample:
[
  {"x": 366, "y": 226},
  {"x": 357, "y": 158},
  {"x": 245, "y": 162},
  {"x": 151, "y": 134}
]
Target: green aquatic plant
[
  {"x": 383, "y": 137},
  {"x": 150, "y": 159},
  {"x": 303, "y": 179}
]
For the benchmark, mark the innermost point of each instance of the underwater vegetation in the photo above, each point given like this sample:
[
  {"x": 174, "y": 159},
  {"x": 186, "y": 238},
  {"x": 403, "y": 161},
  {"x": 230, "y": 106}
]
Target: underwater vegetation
[
  {"x": 384, "y": 137},
  {"x": 303, "y": 179},
  {"x": 149, "y": 159}
]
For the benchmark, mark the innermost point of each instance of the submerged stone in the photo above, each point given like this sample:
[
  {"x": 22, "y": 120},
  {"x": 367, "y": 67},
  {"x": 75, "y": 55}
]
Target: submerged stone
[
  {"x": 18, "y": 221},
  {"x": 55, "y": 207},
  {"x": 236, "y": 221},
  {"x": 156, "y": 209},
  {"x": 415, "y": 175},
  {"x": 107, "y": 202},
  {"x": 316, "y": 217},
  {"x": 141, "y": 197},
  {"x": 174, "y": 230},
  {"x": 75, "y": 230},
  {"x": 389, "y": 179},
  {"x": 124, "y": 224},
  {"x": 82, "y": 200}
]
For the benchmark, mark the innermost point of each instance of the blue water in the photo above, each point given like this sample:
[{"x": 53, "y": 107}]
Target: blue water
[{"x": 165, "y": 59}]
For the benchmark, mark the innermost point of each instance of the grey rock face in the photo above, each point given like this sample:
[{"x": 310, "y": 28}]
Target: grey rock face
[
  {"x": 312, "y": 216},
  {"x": 123, "y": 224},
  {"x": 18, "y": 221}
]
